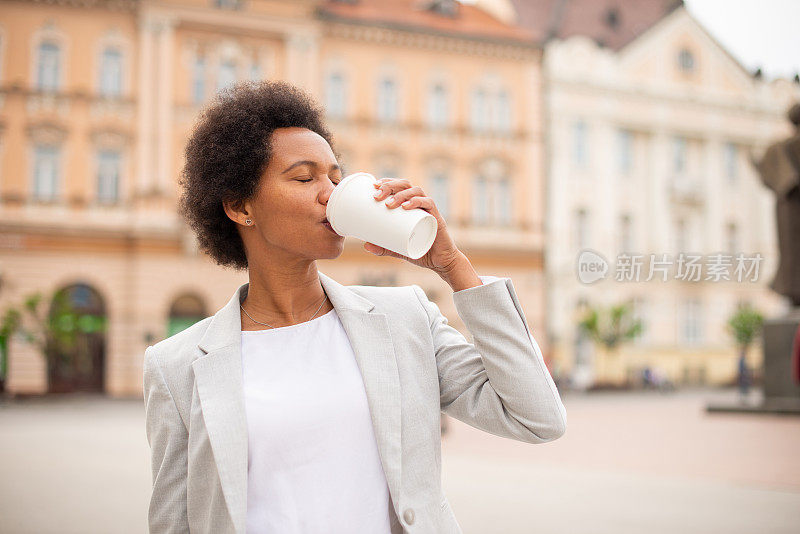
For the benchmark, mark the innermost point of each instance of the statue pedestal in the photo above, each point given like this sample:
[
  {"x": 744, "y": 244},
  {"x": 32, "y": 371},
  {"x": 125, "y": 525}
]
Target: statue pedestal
[{"x": 781, "y": 392}]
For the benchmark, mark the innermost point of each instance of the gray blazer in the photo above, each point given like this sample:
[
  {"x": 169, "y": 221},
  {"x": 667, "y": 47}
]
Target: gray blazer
[{"x": 414, "y": 365}]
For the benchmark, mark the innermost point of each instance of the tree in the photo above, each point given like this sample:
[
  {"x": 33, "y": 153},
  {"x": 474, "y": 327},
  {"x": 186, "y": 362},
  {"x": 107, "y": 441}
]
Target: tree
[
  {"x": 611, "y": 327},
  {"x": 9, "y": 324},
  {"x": 745, "y": 326},
  {"x": 55, "y": 332}
]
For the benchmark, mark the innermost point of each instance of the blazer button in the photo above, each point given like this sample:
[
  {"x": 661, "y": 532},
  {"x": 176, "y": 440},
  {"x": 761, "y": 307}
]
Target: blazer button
[{"x": 408, "y": 515}]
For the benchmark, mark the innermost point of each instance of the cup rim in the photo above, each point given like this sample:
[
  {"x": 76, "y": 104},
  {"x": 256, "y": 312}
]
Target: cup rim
[{"x": 337, "y": 192}]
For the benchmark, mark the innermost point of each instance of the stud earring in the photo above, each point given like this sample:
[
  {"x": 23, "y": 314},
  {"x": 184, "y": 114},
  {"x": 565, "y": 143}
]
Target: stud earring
[{"x": 248, "y": 222}]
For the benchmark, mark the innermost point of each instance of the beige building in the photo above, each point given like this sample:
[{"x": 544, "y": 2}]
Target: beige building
[
  {"x": 96, "y": 102},
  {"x": 649, "y": 140}
]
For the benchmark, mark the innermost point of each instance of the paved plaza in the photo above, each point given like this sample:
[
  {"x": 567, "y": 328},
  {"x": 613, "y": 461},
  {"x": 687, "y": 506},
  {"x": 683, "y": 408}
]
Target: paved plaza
[{"x": 629, "y": 463}]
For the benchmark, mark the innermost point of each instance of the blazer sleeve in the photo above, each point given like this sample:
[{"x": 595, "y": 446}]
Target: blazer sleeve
[
  {"x": 500, "y": 384},
  {"x": 168, "y": 439}
]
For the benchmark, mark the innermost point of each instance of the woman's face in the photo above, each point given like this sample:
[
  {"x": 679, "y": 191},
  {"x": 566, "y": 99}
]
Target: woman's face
[{"x": 289, "y": 207}]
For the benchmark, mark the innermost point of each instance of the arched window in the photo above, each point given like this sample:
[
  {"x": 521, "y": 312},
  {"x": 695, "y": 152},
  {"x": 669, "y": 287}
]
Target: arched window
[
  {"x": 108, "y": 172},
  {"x": 580, "y": 143},
  {"x": 48, "y": 66},
  {"x": 438, "y": 112},
  {"x": 199, "y": 79},
  {"x": 335, "y": 94},
  {"x": 76, "y": 355},
  {"x": 730, "y": 156},
  {"x": 46, "y": 172},
  {"x": 502, "y": 115},
  {"x": 626, "y": 234},
  {"x": 480, "y": 200},
  {"x": 581, "y": 228},
  {"x": 255, "y": 70},
  {"x": 440, "y": 192},
  {"x": 732, "y": 237},
  {"x": 479, "y": 110},
  {"x": 686, "y": 60},
  {"x": 624, "y": 151},
  {"x": 503, "y": 209},
  {"x": 185, "y": 311},
  {"x": 387, "y": 100},
  {"x": 227, "y": 74},
  {"x": 111, "y": 72}
]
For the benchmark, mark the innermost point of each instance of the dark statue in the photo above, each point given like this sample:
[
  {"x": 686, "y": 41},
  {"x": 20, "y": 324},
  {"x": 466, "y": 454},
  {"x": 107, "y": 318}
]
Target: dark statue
[{"x": 780, "y": 171}]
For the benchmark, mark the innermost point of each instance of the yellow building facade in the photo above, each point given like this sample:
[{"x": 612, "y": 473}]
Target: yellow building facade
[{"x": 97, "y": 100}]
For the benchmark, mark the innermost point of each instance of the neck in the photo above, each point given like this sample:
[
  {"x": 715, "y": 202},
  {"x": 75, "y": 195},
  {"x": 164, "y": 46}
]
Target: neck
[{"x": 284, "y": 295}]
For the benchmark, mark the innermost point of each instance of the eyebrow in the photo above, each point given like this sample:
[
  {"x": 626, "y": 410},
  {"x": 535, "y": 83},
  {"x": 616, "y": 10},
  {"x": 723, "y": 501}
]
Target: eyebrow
[{"x": 334, "y": 167}]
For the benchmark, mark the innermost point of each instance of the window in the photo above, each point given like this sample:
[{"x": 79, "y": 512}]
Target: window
[
  {"x": 686, "y": 60},
  {"x": 625, "y": 151},
  {"x": 729, "y": 156},
  {"x": 48, "y": 66},
  {"x": 199, "y": 79},
  {"x": 581, "y": 229},
  {"x": 640, "y": 313},
  {"x": 227, "y": 74},
  {"x": 437, "y": 112},
  {"x": 579, "y": 135},
  {"x": 387, "y": 100},
  {"x": 440, "y": 192},
  {"x": 227, "y": 4},
  {"x": 692, "y": 321},
  {"x": 480, "y": 201},
  {"x": 502, "y": 197},
  {"x": 503, "y": 112},
  {"x": 732, "y": 237},
  {"x": 185, "y": 311},
  {"x": 111, "y": 72},
  {"x": 625, "y": 234},
  {"x": 108, "y": 171},
  {"x": 335, "y": 94},
  {"x": 255, "y": 70},
  {"x": 46, "y": 168},
  {"x": 679, "y": 155},
  {"x": 681, "y": 237},
  {"x": 479, "y": 110},
  {"x": 388, "y": 168}
]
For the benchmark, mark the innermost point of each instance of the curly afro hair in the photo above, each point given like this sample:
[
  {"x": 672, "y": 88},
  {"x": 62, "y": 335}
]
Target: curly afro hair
[{"x": 228, "y": 152}]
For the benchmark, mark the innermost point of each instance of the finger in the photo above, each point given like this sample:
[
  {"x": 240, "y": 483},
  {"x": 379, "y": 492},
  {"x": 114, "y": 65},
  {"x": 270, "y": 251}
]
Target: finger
[
  {"x": 405, "y": 194},
  {"x": 423, "y": 202},
  {"x": 391, "y": 186},
  {"x": 380, "y": 251}
]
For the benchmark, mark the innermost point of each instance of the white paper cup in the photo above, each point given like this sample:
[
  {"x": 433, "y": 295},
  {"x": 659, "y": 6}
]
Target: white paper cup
[{"x": 353, "y": 211}]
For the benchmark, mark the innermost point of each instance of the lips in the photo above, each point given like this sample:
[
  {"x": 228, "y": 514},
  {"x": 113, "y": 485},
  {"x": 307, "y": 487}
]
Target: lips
[{"x": 327, "y": 225}]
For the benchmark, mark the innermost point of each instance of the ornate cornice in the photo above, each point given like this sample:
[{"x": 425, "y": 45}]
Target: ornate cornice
[
  {"x": 114, "y": 5},
  {"x": 414, "y": 37}
]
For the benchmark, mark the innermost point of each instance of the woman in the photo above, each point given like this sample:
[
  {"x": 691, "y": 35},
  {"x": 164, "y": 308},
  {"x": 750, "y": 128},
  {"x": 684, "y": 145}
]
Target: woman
[{"x": 304, "y": 405}]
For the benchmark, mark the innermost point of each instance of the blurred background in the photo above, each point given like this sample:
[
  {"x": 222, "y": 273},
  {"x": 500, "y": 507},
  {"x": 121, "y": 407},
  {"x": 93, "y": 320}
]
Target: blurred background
[{"x": 609, "y": 156}]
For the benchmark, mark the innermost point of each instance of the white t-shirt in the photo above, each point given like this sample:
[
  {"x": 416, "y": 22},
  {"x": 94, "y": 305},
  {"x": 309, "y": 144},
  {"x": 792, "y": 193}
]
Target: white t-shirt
[{"x": 313, "y": 463}]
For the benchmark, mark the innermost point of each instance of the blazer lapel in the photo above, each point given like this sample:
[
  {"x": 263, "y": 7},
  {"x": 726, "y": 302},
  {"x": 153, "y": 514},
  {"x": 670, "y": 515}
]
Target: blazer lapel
[{"x": 218, "y": 376}]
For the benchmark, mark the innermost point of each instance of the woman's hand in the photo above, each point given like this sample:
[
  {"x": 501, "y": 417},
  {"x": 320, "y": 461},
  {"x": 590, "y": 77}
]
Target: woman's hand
[{"x": 443, "y": 253}]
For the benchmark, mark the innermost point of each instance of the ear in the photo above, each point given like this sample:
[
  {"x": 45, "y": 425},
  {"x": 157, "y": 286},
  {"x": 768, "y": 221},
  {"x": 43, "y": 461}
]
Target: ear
[{"x": 237, "y": 211}]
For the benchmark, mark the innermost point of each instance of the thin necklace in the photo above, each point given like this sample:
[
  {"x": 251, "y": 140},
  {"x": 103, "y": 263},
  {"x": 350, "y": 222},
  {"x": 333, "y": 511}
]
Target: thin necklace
[{"x": 269, "y": 325}]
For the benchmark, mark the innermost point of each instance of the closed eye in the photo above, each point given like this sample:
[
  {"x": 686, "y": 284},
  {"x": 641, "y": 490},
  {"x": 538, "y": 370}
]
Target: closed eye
[{"x": 306, "y": 181}]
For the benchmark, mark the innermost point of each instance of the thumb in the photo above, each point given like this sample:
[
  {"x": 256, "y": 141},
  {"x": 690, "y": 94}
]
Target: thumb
[{"x": 374, "y": 249}]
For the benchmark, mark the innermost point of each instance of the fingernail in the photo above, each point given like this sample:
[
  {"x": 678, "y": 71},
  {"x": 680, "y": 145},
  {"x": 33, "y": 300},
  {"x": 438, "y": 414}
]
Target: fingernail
[
  {"x": 390, "y": 200},
  {"x": 376, "y": 195}
]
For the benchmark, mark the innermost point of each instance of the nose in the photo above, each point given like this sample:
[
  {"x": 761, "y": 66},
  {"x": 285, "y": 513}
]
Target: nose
[{"x": 327, "y": 190}]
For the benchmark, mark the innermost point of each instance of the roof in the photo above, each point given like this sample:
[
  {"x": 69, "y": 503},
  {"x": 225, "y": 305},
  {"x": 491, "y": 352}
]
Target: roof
[
  {"x": 612, "y": 23},
  {"x": 469, "y": 21}
]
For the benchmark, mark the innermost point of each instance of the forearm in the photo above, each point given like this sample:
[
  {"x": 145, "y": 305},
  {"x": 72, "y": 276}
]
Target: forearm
[{"x": 461, "y": 275}]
